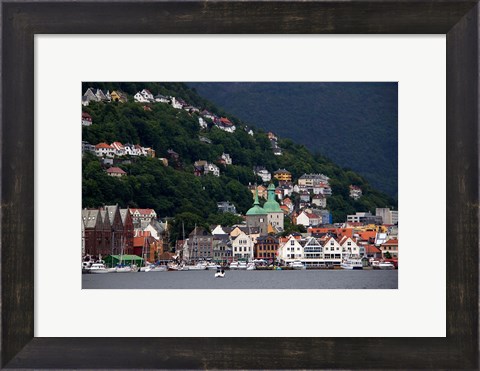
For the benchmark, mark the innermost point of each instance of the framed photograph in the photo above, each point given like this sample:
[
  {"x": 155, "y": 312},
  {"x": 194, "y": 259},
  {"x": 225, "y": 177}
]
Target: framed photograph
[{"x": 165, "y": 329}]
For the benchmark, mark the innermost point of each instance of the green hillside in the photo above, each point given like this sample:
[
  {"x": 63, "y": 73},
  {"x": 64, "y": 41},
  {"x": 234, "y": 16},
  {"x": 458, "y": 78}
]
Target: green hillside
[
  {"x": 174, "y": 190},
  {"x": 354, "y": 124}
]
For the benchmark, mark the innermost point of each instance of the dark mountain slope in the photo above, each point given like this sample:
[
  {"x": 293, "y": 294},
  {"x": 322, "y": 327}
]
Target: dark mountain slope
[{"x": 354, "y": 124}]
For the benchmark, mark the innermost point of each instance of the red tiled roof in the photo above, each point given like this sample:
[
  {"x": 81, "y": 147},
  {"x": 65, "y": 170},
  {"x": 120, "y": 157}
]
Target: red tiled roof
[
  {"x": 115, "y": 170},
  {"x": 312, "y": 216},
  {"x": 393, "y": 241},
  {"x": 103, "y": 145},
  {"x": 225, "y": 121},
  {"x": 85, "y": 115},
  {"x": 370, "y": 249}
]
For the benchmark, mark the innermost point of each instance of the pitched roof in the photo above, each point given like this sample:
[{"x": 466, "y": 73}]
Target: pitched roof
[
  {"x": 103, "y": 145},
  {"x": 115, "y": 170}
]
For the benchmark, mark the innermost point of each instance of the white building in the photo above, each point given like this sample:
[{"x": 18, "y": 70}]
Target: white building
[
  {"x": 350, "y": 248},
  {"x": 265, "y": 175},
  {"x": 308, "y": 219},
  {"x": 147, "y": 95},
  {"x": 242, "y": 247},
  {"x": 138, "y": 97},
  {"x": 175, "y": 103},
  {"x": 104, "y": 150},
  {"x": 290, "y": 250}
]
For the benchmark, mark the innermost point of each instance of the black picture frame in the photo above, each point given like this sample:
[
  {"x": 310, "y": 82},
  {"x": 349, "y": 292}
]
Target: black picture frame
[{"x": 458, "y": 20}]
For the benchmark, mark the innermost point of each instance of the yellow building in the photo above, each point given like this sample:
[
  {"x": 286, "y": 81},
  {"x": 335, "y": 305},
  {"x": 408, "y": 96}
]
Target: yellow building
[
  {"x": 118, "y": 96},
  {"x": 283, "y": 175}
]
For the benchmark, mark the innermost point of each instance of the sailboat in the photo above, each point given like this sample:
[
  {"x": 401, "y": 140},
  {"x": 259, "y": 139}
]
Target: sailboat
[{"x": 122, "y": 268}]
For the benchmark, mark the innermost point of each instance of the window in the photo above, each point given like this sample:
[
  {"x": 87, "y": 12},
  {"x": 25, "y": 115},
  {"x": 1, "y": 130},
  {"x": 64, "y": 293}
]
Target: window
[{"x": 292, "y": 242}]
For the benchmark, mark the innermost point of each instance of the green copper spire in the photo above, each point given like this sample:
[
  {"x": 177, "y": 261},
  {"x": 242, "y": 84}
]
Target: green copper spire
[
  {"x": 256, "y": 209},
  {"x": 272, "y": 206}
]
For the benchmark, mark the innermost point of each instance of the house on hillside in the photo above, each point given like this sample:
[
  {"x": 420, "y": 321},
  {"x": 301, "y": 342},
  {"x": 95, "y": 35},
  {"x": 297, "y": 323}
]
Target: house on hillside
[
  {"x": 161, "y": 99},
  {"x": 319, "y": 200},
  {"x": 116, "y": 172},
  {"x": 147, "y": 95},
  {"x": 355, "y": 192},
  {"x": 225, "y": 159},
  {"x": 206, "y": 167},
  {"x": 118, "y": 96},
  {"x": 226, "y": 207},
  {"x": 86, "y": 119},
  {"x": 140, "y": 98},
  {"x": 104, "y": 150}
]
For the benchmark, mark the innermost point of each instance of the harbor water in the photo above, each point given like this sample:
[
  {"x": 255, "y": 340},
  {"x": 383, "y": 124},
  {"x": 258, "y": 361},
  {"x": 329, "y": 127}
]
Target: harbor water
[{"x": 287, "y": 279}]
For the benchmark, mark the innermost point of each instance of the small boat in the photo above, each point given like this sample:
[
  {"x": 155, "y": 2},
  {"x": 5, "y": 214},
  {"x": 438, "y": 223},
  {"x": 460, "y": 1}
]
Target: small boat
[
  {"x": 386, "y": 266},
  {"x": 352, "y": 264},
  {"x": 297, "y": 264},
  {"x": 123, "y": 269},
  {"x": 98, "y": 268},
  {"x": 251, "y": 266},
  {"x": 159, "y": 268},
  {"x": 234, "y": 265},
  {"x": 197, "y": 267},
  {"x": 220, "y": 274},
  {"x": 213, "y": 266},
  {"x": 242, "y": 265}
]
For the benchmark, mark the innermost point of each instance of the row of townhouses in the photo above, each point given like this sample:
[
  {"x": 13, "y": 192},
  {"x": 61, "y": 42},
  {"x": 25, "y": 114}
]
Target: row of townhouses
[
  {"x": 110, "y": 230},
  {"x": 224, "y": 245}
]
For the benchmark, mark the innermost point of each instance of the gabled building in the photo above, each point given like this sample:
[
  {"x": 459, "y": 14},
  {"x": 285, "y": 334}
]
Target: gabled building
[
  {"x": 319, "y": 200},
  {"x": 116, "y": 172},
  {"x": 242, "y": 247},
  {"x": 282, "y": 175},
  {"x": 290, "y": 250},
  {"x": 266, "y": 247},
  {"x": 104, "y": 150},
  {"x": 118, "y": 96},
  {"x": 86, "y": 119},
  {"x": 200, "y": 245},
  {"x": 226, "y": 207},
  {"x": 142, "y": 217},
  {"x": 355, "y": 192}
]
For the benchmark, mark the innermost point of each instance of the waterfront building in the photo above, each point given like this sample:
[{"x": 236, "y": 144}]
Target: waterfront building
[
  {"x": 242, "y": 247},
  {"x": 222, "y": 249},
  {"x": 200, "y": 245},
  {"x": 290, "y": 250},
  {"x": 391, "y": 246},
  {"x": 266, "y": 248}
]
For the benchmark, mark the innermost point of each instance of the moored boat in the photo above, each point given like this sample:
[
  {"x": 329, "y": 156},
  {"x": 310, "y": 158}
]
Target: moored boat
[
  {"x": 251, "y": 266},
  {"x": 242, "y": 265},
  {"x": 97, "y": 268},
  {"x": 233, "y": 265},
  {"x": 297, "y": 265},
  {"x": 352, "y": 264},
  {"x": 386, "y": 266}
]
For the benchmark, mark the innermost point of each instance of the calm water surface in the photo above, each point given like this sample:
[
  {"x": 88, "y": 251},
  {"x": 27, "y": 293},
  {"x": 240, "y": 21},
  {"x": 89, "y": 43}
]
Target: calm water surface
[{"x": 306, "y": 279}]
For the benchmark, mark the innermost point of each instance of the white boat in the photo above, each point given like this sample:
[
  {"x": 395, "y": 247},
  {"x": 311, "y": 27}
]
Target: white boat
[
  {"x": 352, "y": 264},
  {"x": 386, "y": 266},
  {"x": 123, "y": 269},
  {"x": 200, "y": 266},
  {"x": 251, "y": 266},
  {"x": 220, "y": 274},
  {"x": 159, "y": 268},
  {"x": 234, "y": 265},
  {"x": 98, "y": 268},
  {"x": 213, "y": 266},
  {"x": 297, "y": 264},
  {"x": 242, "y": 265}
]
